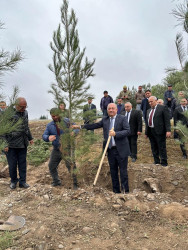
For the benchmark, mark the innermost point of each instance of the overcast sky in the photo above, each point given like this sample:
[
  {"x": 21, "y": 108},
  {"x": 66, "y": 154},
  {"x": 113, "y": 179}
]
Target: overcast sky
[{"x": 132, "y": 41}]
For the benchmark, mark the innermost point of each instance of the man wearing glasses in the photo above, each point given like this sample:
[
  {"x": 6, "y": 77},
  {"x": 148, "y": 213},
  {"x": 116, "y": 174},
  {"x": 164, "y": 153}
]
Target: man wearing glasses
[{"x": 17, "y": 142}]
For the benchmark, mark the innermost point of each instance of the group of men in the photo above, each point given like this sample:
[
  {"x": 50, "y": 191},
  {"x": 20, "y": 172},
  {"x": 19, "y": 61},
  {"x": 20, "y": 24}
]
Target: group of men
[{"x": 121, "y": 122}]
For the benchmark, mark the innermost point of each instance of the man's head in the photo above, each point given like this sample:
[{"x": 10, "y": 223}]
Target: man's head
[
  {"x": 160, "y": 101},
  {"x": 119, "y": 101},
  {"x": 125, "y": 88},
  {"x": 147, "y": 93},
  {"x": 3, "y": 105},
  {"x": 139, "y": 88},
  {"x": 128, "y": 106},
  {"x": 105, "y": 93},
  {"x": 181, "y": 94},
  {"x": 21, "y": 104},
  {"x": 152, "y": 101},
  {"x": 89, "y": 100},
  {"x": 169, "y": 86},
  {"x": 183, "y": 101},
  {"x": 112, "y": 109},
  {"x": 55, "y": 114},
  {"x": 62, "y": 106}
]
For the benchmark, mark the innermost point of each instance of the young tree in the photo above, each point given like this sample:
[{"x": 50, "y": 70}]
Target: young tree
[
  {"x": 71, "y": 69},
  {"x": 8, "y": 62}
]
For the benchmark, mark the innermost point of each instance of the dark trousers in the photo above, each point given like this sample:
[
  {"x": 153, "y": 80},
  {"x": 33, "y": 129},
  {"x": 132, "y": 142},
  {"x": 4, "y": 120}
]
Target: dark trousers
[
  {"x": 55, "y": 158},
  {"x": 105, "y": 113},
  {"x": 117, "y": 163},
  {"x": 16, "y": 157},
  {"x": 158, "y": 147},
  {"x": 133, "y": 145}
]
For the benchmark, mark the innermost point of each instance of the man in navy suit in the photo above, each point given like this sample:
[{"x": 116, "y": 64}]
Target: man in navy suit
[
  {"x": 145, "y": 104},
  {"x": 118, "y": 150},
  {"x": 89, "y": 112},
  {"x": 158, "y": 129},
  {"x": 134, "y": 118}
]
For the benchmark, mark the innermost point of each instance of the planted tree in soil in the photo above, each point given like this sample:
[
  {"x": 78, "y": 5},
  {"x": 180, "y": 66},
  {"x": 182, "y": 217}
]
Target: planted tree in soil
[{"x": 72, "y": 70}]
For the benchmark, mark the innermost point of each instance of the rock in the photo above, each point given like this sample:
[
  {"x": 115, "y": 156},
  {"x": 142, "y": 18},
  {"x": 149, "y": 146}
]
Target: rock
[
  {"x": 60, "y": 246},
  {"x": 25, "y": 231},
  {"x": 175, "y": 183},
  {"x": 116, "y": 206},
  {"x": 46, "y": 197},
  {"x": 87, "y": 229}
]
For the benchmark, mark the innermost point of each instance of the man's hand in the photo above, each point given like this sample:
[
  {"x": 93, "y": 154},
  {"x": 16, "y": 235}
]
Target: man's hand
[
  {"x": 52, "y": 138},
  {"x": 168, "y": 134},
  {"x": 146, "y": 137},
  {"x": 139, "y": 133},
  {"x": 31, "y": 142},
  {"x": 112, "y": 132},
  {"x": 75, "y": 126}
]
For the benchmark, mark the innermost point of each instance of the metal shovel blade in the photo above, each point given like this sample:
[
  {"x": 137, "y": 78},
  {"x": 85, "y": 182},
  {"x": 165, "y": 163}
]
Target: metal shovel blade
[{"x": 13, "y": 223}]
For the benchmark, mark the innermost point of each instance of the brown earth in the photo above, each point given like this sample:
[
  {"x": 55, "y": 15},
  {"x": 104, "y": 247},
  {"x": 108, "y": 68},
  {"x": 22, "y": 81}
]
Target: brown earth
[{"x": 154, "y": 215}]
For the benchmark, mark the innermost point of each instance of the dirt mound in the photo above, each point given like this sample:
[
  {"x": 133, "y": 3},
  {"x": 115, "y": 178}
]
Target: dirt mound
[{"x": 153, "y": 215}]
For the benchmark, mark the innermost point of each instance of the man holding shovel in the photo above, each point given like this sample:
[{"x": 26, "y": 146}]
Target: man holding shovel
[{"x": 117, "y": 127}]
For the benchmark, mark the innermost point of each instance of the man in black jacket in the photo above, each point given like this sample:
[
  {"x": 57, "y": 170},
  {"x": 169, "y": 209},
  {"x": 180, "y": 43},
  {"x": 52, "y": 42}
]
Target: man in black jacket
[
  {"x": 158, "y": 129},
  {"x": 118, "y": 150},
  {"x": 89, "y": 112},
  {"x": 145, "y": 104},
  {"x": 179, "y": 116},
  {"x": 18, "y": 141},
  {"x": 134, "y": 118}
]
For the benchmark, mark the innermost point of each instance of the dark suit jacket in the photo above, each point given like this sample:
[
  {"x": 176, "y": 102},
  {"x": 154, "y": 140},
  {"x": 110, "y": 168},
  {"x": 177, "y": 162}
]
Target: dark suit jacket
[
  {"x": 135, "y": 121},
  {"x": 161, "y": 120},
  {"x": 122, "y": 129},
  {"x": 144, "y": 107},
  {"x": 179, "y": 116},
  {"x": 89, "y": 115}
]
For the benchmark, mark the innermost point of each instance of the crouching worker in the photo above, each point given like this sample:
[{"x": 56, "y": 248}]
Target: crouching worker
[{"x": 53, "y": 133}]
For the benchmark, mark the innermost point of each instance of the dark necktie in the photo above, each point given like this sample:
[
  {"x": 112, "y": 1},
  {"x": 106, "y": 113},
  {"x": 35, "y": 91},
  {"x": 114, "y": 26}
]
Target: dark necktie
[
  {"x": 150, "y": 117},
  {"x": 183, "y": 108}
]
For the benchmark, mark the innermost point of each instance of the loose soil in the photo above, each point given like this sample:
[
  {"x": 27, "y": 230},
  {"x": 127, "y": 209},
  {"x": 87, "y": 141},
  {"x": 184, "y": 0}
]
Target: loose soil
[{"x": 154, "y": 215}]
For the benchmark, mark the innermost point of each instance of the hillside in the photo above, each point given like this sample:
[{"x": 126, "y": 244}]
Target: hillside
[{"x": 154, "y": 215}]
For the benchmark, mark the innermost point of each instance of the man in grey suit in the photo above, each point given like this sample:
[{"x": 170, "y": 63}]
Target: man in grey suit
[
  {"x": 158, "y": 129},
  {"x": 118, "y": 150}
]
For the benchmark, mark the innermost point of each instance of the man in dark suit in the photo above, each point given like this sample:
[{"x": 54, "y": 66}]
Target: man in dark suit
[
  {"x": 145, "y": 104},
  {"x": 89, "y": 112},
  {"x": 120, "y": 106},
  {"x": 179, "y": 116},
  {"x": 158, "y": 129},
  {"x": 118, "y": 150},
  {"x": 134, "y": 118}
]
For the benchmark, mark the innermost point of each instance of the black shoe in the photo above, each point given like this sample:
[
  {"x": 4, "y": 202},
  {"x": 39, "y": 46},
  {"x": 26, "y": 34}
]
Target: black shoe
[
  {"x": 184, "y": 156},
  {"x": 157, "y": 163},
  {"x": 55, "y": 184},
  {"x": 23, "y": 185},
  {"x": 133, "y": 159},
  {"x": 164, "y": 165},
  {"x": 13, "y": 185}
]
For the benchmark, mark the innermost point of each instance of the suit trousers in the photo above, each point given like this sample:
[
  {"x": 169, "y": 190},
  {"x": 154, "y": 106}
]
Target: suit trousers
[
  {"x": 158, "y": 147},
  {"x": 16, "y": 157},
  {"x": 133, "y": 145},
  {"x": 117, "y": 163}
]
